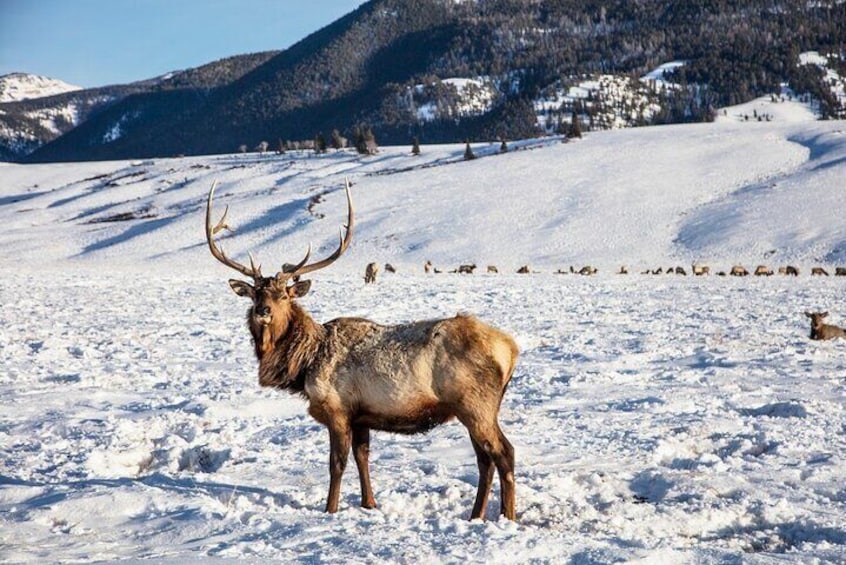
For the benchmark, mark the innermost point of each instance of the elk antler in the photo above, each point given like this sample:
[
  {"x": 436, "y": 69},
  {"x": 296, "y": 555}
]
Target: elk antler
[
  {"x": 301, "y": 268},
  {"x": 253, "y": 270}
]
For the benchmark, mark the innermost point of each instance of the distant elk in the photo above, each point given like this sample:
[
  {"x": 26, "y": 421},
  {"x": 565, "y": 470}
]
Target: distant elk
[
  {"x": 524, "y": 270},
  {"x": 587, "y": 271},
  {"x": 492, "y": 269},
  {"x": 623, "y": 270},
  {"x": 681, "y": 271},
  {"x": 818, "y": 272},
  {"x": 427, "y": 266},
  {"x": 821, "y": 331},
  {"x": 700, "y": 270},
  {"x": 840, "y": 271},
  {"x": 763, "y": 271},
  {"x": 370, "y": 273},
  {"x": 390, "y": 268},
  {"x": 358, "y": 375},
  {"x": 467, "y": 269},
  {"x": 789, "y": 270},
  {"x": 738, "y": 271}
]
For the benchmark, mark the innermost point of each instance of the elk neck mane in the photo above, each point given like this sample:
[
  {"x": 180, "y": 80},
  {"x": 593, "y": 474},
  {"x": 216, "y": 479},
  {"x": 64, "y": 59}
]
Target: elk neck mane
[{"x": 284, "y": 361}]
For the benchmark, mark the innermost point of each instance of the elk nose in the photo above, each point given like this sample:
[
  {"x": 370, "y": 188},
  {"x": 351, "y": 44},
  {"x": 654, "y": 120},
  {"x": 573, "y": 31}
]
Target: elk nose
[{"x": 262, "y": 311}]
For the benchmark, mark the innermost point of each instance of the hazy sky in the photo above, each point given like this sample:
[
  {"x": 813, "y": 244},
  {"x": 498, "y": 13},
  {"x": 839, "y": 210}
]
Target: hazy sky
[{"x": 99, "y": 42}]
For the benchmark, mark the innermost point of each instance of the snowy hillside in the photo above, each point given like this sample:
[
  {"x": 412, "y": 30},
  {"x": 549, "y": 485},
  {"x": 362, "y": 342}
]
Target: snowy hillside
[
  {"x": 655, "y": 419},
  {"x": 22, "y": 86},
  {"x": 733, "y": 191}
]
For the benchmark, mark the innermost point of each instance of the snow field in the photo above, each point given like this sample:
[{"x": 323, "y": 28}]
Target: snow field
[
  {"x": 681, "y": 417},
  {"x": 655, "y": 418}
]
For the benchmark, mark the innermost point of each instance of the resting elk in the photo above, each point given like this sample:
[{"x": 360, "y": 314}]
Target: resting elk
[
  {"x": 821, "y": 330},
  {"x": 358, "y": 375}
]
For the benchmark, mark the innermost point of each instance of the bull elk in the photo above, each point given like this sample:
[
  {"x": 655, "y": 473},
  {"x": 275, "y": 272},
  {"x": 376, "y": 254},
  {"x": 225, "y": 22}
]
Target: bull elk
[{"x": 358, "y": 375}]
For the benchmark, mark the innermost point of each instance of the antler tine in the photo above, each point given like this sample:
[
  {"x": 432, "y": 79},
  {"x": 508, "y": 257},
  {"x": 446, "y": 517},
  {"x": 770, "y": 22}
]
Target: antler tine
[
  {"x": 221, "y": 224},
  {"x": 251, "y": 271},
  {"x": 255, "y": 268},
  {"x": 290, "y": 271},
  {"x": 346, "y": 239}
]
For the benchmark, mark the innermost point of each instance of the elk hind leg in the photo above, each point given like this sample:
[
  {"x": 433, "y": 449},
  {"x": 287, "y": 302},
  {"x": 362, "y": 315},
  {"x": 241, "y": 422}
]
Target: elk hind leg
[
  {"x": 486, "y": 472},
  {"x": 504, "y": 459},
  {"x": 339, "y": 451},
  {"x": 496, "y": 446},
  {"x": 361, "y": 452}
]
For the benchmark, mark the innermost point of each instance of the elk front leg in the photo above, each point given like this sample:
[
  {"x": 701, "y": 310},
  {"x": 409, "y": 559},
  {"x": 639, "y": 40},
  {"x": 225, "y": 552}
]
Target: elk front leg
[
  {"x": 339, "y": 451},
  {"x": 361, "y": 452}
]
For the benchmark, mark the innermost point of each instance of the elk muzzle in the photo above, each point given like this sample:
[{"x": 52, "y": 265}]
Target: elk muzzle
[{"x": 262, "y": 315}]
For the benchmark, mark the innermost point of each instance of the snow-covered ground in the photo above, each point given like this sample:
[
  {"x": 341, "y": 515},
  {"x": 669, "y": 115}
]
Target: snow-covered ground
[{"x": 656, "y": 419}]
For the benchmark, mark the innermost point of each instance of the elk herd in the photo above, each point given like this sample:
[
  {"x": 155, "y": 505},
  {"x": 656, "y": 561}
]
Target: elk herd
[
  {"x": 357, "y": 375},
  {"x": 695, "y": 270}
]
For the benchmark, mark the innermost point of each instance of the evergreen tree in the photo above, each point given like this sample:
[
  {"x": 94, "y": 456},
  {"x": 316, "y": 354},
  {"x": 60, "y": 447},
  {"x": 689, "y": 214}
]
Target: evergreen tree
[
  {"x": 358, "y": 140},
  {"x": 575, "y": 126},
  {"x": 320, "y": 143},
  {"x": 415, "y": 146},
  {"x": 503, "y": 147},
  {"x": 468, "y": 151}
]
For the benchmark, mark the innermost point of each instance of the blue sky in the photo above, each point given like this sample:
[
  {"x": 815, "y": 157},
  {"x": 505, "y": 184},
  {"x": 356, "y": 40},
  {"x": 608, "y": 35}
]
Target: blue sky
[{"x": 99, "y": 42}]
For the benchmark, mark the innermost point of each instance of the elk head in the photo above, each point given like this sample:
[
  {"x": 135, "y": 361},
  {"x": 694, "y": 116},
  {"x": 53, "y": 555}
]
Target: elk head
[
  {"x": 270, "y": 314},
  {"x": 816, "y": 318}
]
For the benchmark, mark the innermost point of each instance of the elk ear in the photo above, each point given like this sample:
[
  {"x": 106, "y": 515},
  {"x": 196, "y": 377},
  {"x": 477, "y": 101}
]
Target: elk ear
[
  {"x": 808, "y": 314},
  {"x": 242, "y": 289},
  {"x": 299, "y": 288},
  {"x": 824, "y": 314}
]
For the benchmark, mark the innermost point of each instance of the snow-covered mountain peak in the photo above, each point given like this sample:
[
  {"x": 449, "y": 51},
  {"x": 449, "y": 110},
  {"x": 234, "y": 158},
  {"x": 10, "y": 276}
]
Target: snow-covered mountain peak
[{"x": 22, "y": 86}]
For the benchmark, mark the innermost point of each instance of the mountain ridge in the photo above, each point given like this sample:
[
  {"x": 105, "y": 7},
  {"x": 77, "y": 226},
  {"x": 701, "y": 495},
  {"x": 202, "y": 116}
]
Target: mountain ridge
[{"x": 378, "y": 65}]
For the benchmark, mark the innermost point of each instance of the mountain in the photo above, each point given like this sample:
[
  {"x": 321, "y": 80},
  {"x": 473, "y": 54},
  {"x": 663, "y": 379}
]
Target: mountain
[
  {"x": 52, "y": 108},
  {"x": 22, "y": 86},
  {"x": 446, "y": 71}
]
